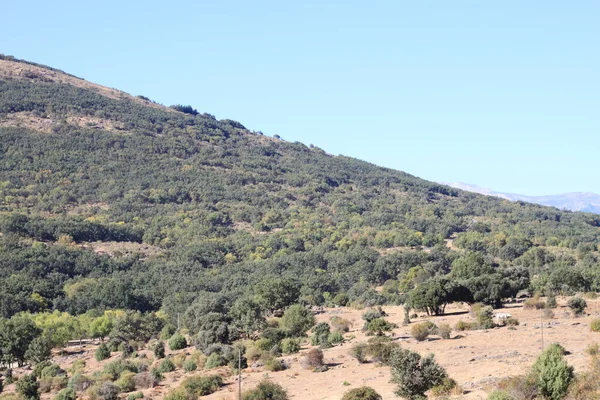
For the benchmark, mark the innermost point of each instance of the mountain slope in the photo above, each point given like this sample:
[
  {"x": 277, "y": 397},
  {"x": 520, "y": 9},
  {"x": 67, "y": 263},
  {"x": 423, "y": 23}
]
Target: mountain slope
[
  {"x": 577, "y": 201},
  {"x": 225, "y": 210}
]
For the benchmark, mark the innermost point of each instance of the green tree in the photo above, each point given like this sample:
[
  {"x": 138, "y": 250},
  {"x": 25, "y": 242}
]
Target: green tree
[
  {"x": 40, "y": 349},
  {"x": 16, "y": 334},
  {"x": 102, "y": 352},
  {"x": 553, "y": 374},
  {"x": 28, "y": 387},
  {"x": 276, "y": 293},
  {"x": 297, "y": 320},
  {"x": 413, "y": 374},
  {"x": 247, "y": 316}
]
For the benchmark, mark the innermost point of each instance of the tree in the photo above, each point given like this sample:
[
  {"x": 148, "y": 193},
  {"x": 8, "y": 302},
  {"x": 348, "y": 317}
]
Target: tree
[
  {"x": 266, "y": 390},
  {"x": 413, "y": 374},
  {"x": 276, "y": 293},
  {"x": 135, "y": 326},
  {"x": 101, "y": 327},
  {"x": 28, "y": 387},
  {"x": 16, "y": 334},
  {"x": 177, "y": 342},
  {"x": 247, "y": 316},
  {"x": 297, "y": 320},
  {"x": 577, "y": 305},
  {"x": 102, "y": 352},
  {"x": 433, "y": 295},
  {"x": 40, "y": 349},
  {"x": 553, "y": 374}
]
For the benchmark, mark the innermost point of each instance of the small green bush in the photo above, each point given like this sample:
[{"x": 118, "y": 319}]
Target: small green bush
[
  {"x": 421, "y": 331},
  {"x": 28, "y": 387},
  {"x": 190, "y": 366},
  {"x": 166, "y": 366},
  {"x": 359, "y": 352},
  {"x": 102, "y": 352},
  {"x": 381, "y": 349},
  {"x": 202, "y": 385},
  {"x": 135, "y": 396},
  {"x": 378, "y": 326},
  {"x": 577, "y": 305},
  {"x": 445, "y": 388},
  {"x": 465, "y": 326},
  {"x": 80, "y": 383},
  {"x": 159, "y": 349},
  {"x": 313, "y": 359},
  {"x": 274, "y": 365},
  {"x": 512, "y": 321},
  {"x": 595, "y": 325},
  {"x": 340, "y": 324},
  {"x": 177, "y": 342},
  {"x": 553, "y": 374},
  {"x": 551, "y": 301},
  {"x": 290, "y": 346},
  {"x": 66, "y": 394},
  {"x": 335, "y": 337},
  {"x": 167, "y": 331},
  {"x": 51, "y": 371},
  {"x": 126, "y": 382},
  {"x": 362, "y": 393},
  {"x": 444, "y": 330},
  {"x": 500, "y": 395},
  {"x": 215, "y": 360},
  {"x": 266, "y": 390},
  {"x": 593, "y": 349}
]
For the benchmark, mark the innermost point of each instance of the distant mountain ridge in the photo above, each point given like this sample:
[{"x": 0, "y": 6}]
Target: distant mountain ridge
[{"x": 576, "y": 201}]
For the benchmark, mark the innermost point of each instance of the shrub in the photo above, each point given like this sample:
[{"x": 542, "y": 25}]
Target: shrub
[
  {"x": 593, "y": 349},
  {"x": 465, "y": 326},
  {"x": 577, "y": 305},
  {"x": 547, "y": 313},
  {"x": 108, "y": 391},
  {"x": 156, "y": 375},
  {"x": 126, "y": 382},
  {"x": 28, "y": 387},
  {"x": 102, "y": 352},
  {"x": 177, "y": 342},
  {"x": 202, "y": 385},
  {"x": 145, "y": 380},
  {"x": 340, "y": 324},
  {"x": 421, "y": 331},
  {"x": 512, "y": 321},
  {"x": 266, "y": 390},
  {"x": 485, "y": 317},
  {"x": 66, "y": 394},
  {"x": 37, "y": 369},
  {"x": 534, "y": 303},
  {"x": 553, "y": 374},
  {"x": 199, "y": 358},
  {"x": 362, "y": 393},
  {"x": 335, "y": 337},
  {"x": 297, "y": 320},
  {"x": 178, "y": 360},
  {"x": 215, "y": 360},
  {"x": 381, "y": 349},
  {"x": 135, "y": 396},
  {"x": 190, "y": 366},
  {"x": 274, "y": 365},
  {"x": 59, "y": 382},
  {"x": 115, "y": 368},
  {"x": 444, "y": 330},
  {"x": 413, "y": 374},
  {"x": 77, "y": 367},
  {"x": 159, "y": 349},
  {"x": 378, "y": 326},
  {"x": 166, "y": 366},
  {"x": 500, "y": 395},
  {"x": 290, "y": 346},
  {"x": 167, "y": 331},
  {"x": 313, "y": 359},
  {"x": 445, "y": 388},
  {"x": 321, "y": 335},
  {"x": 591, "y": 295},
  {"x": 80, "y": 383},
  {"x": 551, "y": 301},
  {"x": 595, "y": 325},
  {"x": 359, "y": 352}
]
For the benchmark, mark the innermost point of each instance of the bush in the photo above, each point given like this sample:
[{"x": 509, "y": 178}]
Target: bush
[
  {"x": 297, "y": 320},
  {"x": 135, "y": 396},
  {"x": 190, "y": 366},
  {"x": 500, "y": 395},
  {"x": 115, "y": 368},
  {"x": 553, "y": 374},
  {"x": 159, "y": 349},
  {"x": 465, "y": 326},
  {"x": 362, "y": 393},
  {"x": 321, "y": 335},
  {"x": 215, "y": 360},
  {"x": 77, "y": 367},
  {"x": 593, "y": 349},
  {"x": 290, "y": 346},
  {"x": 512, "y": 321},
  {"x": 66, "y": 394},
  {"x": 335, "y": 337},
  {"x": 178, "y": 360},
  {"x": 547, "y": 313},
  {"x": 359, "y": 352},
  {"x": 485, "y": 317},
  {"x": 167, "y": 331},
  {"x": 166, "y": 366},
  {"x": 145, "y": 380},
  {"x": 102, "y": 352},
  {"x": 177, "y": 342},
  {"x": 551, "y": 301},
  {"x": 577, "y": 305},
  {"x": 108, "y": 391},
  {"x": 413, "y": 374},
  {"x": 421, "y": 331},
  {"x": 340, "y": 324},
  {"x": 378, "y": 326},
  {"x": 313, "y": 359},
  {"x": 51, "y": 371},
  {"x": 381, "y": 349},
  {"x": 534, "y": 303},
  {"x": 266, "y": 390},
  {"x": 274, "y": 365},
  {"x": 595, "y": 325},
  {"x": 444, "y": 330},
  {"x": 446, "y": 388},
  {"x": 28, "y": 387},
  {"x": 126, "y": 382},
  {"x": 80, "y": 383},
  {"x": 202, "y": 385}
]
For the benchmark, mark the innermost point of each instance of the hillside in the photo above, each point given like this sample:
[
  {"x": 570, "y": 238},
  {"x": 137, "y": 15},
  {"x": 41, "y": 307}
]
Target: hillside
[{"x": 223, "y": 208}]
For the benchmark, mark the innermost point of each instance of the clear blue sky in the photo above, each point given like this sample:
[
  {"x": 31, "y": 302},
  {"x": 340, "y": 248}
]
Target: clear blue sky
[{"x": 504, "y": 94}]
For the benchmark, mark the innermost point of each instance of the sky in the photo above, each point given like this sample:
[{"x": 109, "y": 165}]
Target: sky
[{"x": 502, "y": 94}]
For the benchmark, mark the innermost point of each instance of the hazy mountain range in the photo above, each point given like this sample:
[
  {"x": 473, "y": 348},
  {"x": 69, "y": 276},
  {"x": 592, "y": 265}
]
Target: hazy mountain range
[{"x": 577, "y": 201}]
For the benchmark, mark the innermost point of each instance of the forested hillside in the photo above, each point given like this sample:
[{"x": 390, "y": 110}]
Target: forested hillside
[{"x": 109, "y": 201}]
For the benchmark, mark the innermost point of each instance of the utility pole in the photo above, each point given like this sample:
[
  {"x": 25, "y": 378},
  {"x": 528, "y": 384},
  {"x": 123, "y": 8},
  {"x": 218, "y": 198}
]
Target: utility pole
[
  {"x": 239, "y": 374},
  {"x": 542, "y": 326},
  {"x": 178, "y": 322}
]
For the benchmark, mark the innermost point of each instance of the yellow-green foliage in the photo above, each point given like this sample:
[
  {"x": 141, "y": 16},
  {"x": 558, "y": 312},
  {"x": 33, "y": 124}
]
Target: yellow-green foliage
[{"x": 595, "y": 325}]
